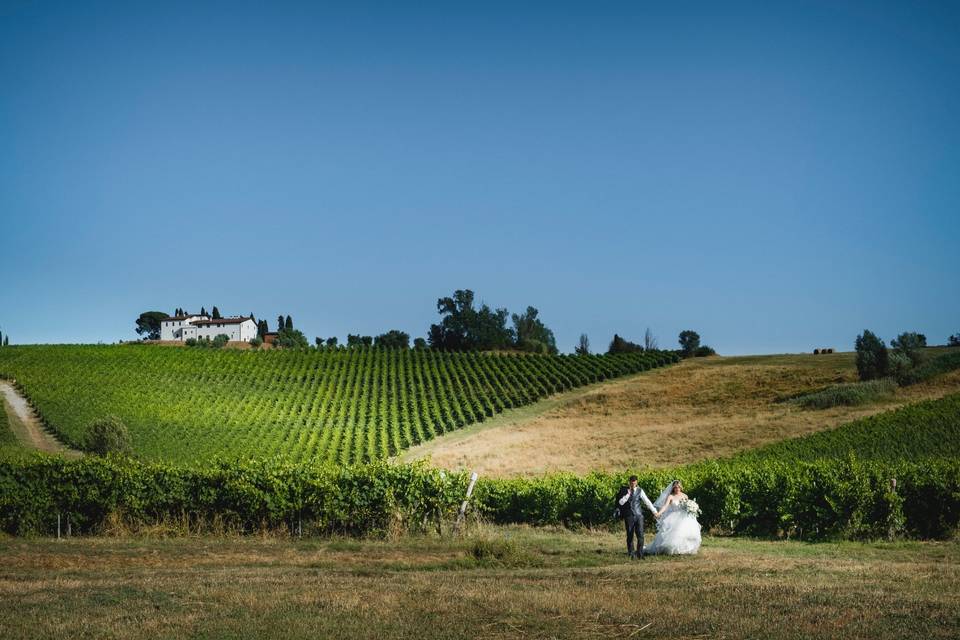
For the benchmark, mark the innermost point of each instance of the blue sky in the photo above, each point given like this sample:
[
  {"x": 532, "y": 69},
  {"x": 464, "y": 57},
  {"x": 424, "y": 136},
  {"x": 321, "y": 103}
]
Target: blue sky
[{"x": 774, "y": 176}]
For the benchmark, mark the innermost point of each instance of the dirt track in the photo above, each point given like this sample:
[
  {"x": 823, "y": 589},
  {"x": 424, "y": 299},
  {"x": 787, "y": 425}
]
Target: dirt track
[{"x": 27, "y": 426}]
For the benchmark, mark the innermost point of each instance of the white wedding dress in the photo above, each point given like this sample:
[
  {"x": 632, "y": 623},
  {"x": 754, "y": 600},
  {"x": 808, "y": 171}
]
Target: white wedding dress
[{"x": 678, "y": 532}]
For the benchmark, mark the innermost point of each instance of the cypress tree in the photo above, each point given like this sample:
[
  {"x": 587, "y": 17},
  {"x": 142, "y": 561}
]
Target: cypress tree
[
  {"x": 203, "y": 311},
  {"x": 289, "y": 324},
  {"x": 216, "y": 313},
  {"x": 280, "y": 322}
]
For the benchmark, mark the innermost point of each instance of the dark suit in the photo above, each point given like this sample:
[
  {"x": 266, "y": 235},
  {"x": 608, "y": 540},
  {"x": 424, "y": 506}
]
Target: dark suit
[{"x": 632, "y": 513}]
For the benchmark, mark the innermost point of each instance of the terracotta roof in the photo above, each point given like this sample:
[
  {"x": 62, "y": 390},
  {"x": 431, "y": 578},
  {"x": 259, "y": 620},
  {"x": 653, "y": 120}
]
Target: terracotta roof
[{"x": 239, "y": 320}]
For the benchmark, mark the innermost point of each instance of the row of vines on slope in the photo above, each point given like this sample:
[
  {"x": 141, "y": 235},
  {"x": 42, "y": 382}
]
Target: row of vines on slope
[{"x": 343, "y": 406}]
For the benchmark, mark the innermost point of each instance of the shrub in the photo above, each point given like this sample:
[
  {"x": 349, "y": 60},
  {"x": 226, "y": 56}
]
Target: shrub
[
  {"x": 954, "y": 340},
  {"x": 816, "y": 352},
  {"x": 703, "y": 351},
  {"x": 108, "y": 435},
  {"x": 872, "y": 357},
  {"x": 191, "y": 342},
  {"x": 939, "y": 365},
  {"x": 850, "y": 394},
  {"x": 256, "y": 341},
  {"x": 220, "y": 340},
  {"x": 899, "y": 364}
]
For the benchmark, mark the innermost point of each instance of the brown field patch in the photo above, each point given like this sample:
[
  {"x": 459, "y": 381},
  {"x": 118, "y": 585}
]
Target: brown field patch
[{"x": 698, "y": 409}]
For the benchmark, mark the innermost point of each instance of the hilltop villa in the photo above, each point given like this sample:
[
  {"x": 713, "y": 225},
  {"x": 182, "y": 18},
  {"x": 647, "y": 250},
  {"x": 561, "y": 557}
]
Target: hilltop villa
[{"x": 181, "y": 328}]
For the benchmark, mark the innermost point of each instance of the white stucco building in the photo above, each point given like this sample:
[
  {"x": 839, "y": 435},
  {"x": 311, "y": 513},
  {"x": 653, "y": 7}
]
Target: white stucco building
[{"x": 181, "y": 328}]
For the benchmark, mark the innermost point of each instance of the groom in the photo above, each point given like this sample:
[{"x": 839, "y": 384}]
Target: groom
[{"x": 629, "y": 500}]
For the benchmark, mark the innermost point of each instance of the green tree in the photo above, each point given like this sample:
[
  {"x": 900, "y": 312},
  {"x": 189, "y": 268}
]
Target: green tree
[
  {"x": 288, "y": 324},
  {"x": 464, "y": 327},
  {"x": 620, "y": 345},
  {"x": 332, "y": 341},
  {"x": 419, "y": 343},
  {"x": 872, "y": 356},
  {"x": 689, "y": 341},
  {"x": 220, "y": 340},
  {"x": 583, "y": 346},
  {"x": 256, "y": 341},
  {"x": 108, "y": 435},
  {"x": 215, "y": 314},
  {"x": 262, "y": 329},
  {"x": 280, "y": 325},
  {"x": 954, "y": 340},
  {"x": 531, "y": 334},
  {"x": 393, "y": 339},
  {"x": 203, "y": 311},
  {"x": 910, "y": 343},
  {"x": 291, "y": 339},
  {"x": 148, "y": 324}
]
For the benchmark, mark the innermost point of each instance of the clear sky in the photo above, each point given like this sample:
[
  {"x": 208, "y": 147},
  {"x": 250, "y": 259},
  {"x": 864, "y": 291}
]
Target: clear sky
[{"x": 775, "y": 176}]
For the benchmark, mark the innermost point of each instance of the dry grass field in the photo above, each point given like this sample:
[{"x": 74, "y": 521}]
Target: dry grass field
[
  {"x": 495, "y": 583},
  {"x": 696, "y": 410}
]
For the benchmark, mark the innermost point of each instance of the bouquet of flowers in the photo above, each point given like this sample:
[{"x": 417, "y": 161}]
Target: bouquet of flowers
[{"x": 690, "y": 506}]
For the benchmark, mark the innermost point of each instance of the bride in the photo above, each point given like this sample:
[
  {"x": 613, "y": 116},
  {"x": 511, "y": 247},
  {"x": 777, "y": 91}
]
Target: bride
[{"x": 678, "y": 531}]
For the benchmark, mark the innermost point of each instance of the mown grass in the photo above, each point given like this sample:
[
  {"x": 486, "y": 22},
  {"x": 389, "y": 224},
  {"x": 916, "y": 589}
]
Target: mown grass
[{"x": 527, "y": 583}]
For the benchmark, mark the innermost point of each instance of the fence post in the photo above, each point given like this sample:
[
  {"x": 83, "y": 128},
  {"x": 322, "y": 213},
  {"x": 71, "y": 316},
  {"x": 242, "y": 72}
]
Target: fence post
[
  {"x": 58, "y": 525},
  {"x": 463, "y": 505},
  {"x": 891, "y": 528}
]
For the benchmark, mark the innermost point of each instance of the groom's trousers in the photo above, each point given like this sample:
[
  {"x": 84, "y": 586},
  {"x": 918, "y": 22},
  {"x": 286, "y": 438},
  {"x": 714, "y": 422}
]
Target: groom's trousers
[{"x": 634, "y": 528}]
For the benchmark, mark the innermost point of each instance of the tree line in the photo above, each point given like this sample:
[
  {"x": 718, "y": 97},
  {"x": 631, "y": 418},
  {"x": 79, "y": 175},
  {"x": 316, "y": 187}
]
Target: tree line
[{"x": 464, "y": 326}]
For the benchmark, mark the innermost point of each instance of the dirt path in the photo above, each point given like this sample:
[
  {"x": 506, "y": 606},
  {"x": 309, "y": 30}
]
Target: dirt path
[{"x": 27, "y": 426}]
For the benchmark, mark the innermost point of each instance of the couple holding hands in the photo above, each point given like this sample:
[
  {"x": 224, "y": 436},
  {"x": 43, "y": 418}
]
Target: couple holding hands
[{"x": 678, "y": 531}]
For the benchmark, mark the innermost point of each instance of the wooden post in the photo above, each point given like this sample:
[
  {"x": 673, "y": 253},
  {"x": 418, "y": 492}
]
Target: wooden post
[
  {"x": 463, "y": 505},
  {"x": 891, "y": 531},
  {"x": 58, "y": 525}
]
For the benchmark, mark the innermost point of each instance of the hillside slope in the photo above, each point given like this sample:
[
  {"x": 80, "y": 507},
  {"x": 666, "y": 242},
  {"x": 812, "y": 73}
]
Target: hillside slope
[
  {"x": 696, "y": 410},
  {"x": 340, "y": 405}
]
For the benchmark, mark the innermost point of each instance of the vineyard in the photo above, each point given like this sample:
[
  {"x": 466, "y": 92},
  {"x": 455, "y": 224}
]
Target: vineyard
[
  {"x": 338, "y": 406},
  {"x": 921, "y": 431}
]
